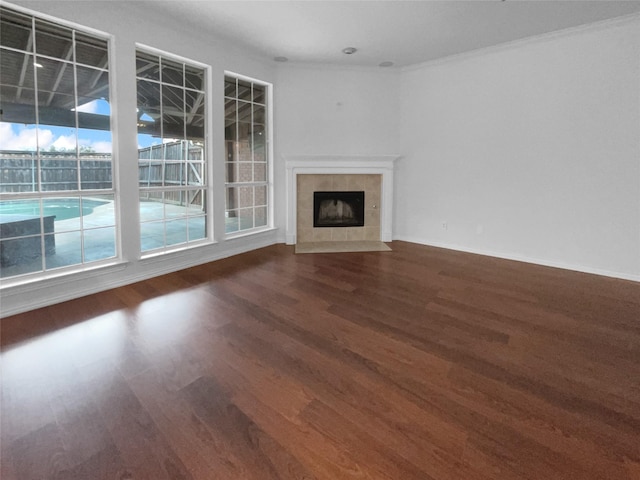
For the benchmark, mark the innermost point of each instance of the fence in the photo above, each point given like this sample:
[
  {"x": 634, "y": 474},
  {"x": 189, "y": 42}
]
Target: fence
[{"x": 170, "y": 164}]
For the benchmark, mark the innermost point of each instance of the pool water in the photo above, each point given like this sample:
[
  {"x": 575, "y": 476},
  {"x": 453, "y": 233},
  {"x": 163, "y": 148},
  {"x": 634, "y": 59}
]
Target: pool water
[{"x": 62, "y": 208}]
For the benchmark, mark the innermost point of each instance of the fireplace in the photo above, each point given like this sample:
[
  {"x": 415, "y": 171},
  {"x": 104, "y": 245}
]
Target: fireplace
[
  {"x": 338, "y": 209},
  {"x": 372, "y": 174}
]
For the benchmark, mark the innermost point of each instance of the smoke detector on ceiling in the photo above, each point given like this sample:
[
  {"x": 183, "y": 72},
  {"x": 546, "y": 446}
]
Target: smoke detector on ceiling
[{"x": 349, "y": 50}]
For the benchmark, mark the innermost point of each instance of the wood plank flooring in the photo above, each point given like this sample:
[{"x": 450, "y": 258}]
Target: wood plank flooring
[{"x": 415, "y": 364}]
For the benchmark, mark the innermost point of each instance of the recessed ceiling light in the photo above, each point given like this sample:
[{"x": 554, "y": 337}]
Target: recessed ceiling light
[
  {"x": 385, "y": 64},
  {"x": 37, "y": 65},
  {"x": 281, "y": 59},
  {"x": 349, "y": 50}
]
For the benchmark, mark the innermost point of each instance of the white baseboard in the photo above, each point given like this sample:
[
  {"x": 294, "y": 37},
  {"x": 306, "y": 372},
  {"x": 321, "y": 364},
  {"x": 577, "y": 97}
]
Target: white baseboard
[
  {"x": 30, "y": 296},
  {"x": 522, "y": 258}
]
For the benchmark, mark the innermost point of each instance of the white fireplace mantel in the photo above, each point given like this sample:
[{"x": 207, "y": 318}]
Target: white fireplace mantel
[{"x": 346, "y": 165}]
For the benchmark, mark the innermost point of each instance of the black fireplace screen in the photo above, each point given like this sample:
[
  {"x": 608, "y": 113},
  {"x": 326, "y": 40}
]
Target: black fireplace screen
[{"x": 338, "y": 209}]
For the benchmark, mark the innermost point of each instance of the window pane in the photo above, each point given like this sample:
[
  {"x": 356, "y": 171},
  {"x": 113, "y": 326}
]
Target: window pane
[
  {"x": 244, "y": 112},
  {"x": 230, "y": 87},
  {"x": 14, "y": 212},
  {"x": 231, "y": 221},
  {"x": 15, "y": 29},
  {"x": 261, "y": 216},
  {"x": 66, "y": 212},
  {"x": 151, "y": 206},
  {"x": 11, "y": 61},
  {"x": 147, "y": 66},
  {"x": 99, "y": 243},
  {"x": 172, "y": 72},
  {"x": 59, "y": 171},
  {"x": 93, "y": 85},
  {"x": 259, "y": 144},
  {"x": 244, "y": 90},
  {"x": 195, "y": 111},
  {"x": 19, "y": 170},
  {"x": 91, "y": 51},
  {"x": 95, "y": 174},
  {"x": 54, "y": 40},
  {"x": 259, "y": 112},
  {"x": 150, "y": 171},
  {"x": 176, "y": 232},
  {"x": 68, "y": 250},
  {"x": 23, "y": 248},
  {"x": 98, "y": 211},
  {"x": 231, "y": 172},
  {"x": 259, "y": 93},
  {"x": 232, "y": 198},
  {"x": 151, "y": 235},
  {"x": 245, "y": 218},
  {"x": 172, "y": 113},
  {"x": 197, "y": 227},
  {"x": 194, "y": 78},
  {"x": 245, "y": 172},
  {"x": 260, "y": 172},
  {"x": 245, "y": 197},
  {"x": 261, "y": 195}
]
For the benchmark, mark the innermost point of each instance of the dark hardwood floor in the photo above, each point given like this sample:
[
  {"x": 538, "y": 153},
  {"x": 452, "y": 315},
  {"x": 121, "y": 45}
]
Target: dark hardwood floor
[{"x": 420, "y": 363}]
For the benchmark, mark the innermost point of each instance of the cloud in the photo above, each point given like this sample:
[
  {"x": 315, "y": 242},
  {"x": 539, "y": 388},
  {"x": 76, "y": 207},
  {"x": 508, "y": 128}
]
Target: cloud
[
  {"x": 26, "y": 139},
  {"x": 64, "y": 142}
]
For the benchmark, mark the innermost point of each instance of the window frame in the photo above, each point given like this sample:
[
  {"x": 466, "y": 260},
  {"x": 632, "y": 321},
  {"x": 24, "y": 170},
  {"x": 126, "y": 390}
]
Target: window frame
[
  {"x": 207, "y": 187},
  {"x": 268, "y": 183},
  {"x": 40, "y": 194}
]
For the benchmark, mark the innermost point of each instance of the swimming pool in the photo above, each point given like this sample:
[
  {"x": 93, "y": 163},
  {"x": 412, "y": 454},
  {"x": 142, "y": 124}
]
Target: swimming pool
[{"x": 61, "y": 208}]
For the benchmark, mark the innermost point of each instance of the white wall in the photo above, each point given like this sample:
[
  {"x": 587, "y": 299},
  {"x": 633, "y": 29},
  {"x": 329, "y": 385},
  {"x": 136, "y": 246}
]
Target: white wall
[
  {"x": 528, "y": 151},
  {"x": 130, "y": 23},
  {"x": 328, "y": 110}
]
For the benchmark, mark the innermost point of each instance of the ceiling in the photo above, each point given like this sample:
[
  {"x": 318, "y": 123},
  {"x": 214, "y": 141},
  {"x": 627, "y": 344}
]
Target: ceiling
[{"x": 399, "y": 31}]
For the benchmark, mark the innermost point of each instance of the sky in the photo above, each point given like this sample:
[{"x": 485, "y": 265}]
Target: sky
[{"x": 21, "y": 137}]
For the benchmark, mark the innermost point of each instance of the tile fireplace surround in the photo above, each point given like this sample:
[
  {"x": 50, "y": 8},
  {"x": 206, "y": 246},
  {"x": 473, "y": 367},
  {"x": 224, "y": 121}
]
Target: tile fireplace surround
[{"x": 371, "y": 173}]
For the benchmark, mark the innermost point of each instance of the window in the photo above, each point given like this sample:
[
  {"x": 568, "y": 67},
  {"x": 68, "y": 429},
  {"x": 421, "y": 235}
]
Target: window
[
  {"x": 247, "y": 157},
  {"x": 56, "y": 166},
  {"x": 171, "y": 152}
]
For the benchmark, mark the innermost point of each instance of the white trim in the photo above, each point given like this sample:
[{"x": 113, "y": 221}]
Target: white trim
[
  {"x": 269, "y": 182},
  {"x": 82, "y": 286},
  {"x": 58, "y": 20},
  {"x": 171, "y": 56},
  {"x": 522, "y": 258},
  {"x": 342, "y": 165}
]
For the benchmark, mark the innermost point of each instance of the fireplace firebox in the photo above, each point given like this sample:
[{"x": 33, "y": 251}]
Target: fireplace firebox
[{"x": 338, "y": 209}]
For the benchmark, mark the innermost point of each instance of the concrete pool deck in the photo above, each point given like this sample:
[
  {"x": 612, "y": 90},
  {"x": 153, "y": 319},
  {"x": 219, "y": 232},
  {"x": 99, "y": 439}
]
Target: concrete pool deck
[{"x": 99, "y": 236}]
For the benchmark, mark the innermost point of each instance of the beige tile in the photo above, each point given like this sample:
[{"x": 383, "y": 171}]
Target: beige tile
[
  {"x": 372, "y": 217},
  {"x": 339, "y": 234},
  {"x": 355, "y": 182},
  {"x": 355, "y": 233},
  {"x": 321, "y": 234},
  {"x": 323, "y": 183},
  {"x": 372, "y": 233},
  {"x": 305, "y": 219},
  {"x": 374, "y": 182},
  {"x": 304, "y": 235},
  {"x": 340, "y": 183},
  {"x": 305, "y": 203}
]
